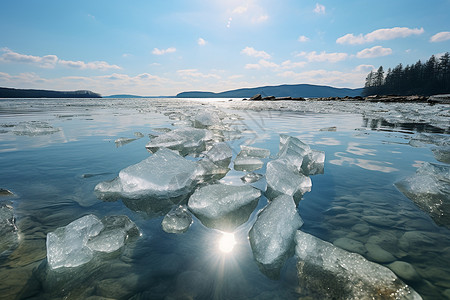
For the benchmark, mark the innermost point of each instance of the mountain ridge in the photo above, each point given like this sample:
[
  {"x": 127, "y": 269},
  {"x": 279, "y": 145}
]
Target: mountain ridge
[{"x": 284, "y": 90}]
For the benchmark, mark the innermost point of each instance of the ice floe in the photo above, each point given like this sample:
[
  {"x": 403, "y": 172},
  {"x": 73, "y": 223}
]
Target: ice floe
[
  {"x": 329, "y": 272},
  {"x": 77, "y": 243},
  {"x": 272, "y": 234},
  {"x": 164, "y": 174},
  {"x": 429, "y": 189},
  {"x": 34, "y": 128},
  {"x": 224, "y": 206},
  {"x": 177, "y": 220}
]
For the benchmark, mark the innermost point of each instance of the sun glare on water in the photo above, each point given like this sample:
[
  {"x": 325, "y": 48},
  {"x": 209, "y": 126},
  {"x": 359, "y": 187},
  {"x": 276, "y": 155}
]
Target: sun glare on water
[{"x": 227, "y": 242}]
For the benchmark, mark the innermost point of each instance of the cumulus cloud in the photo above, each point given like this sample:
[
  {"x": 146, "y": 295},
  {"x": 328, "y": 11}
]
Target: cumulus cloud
[
  {"x": 250, "y": 51},
  {"x": 379, "y": 35},
  {"x": 440, "y": 37},
  {"x": 319, "y": 9},
  {"x": 324, "y": 56},
  {"x": 364, "y": 68},
  {"x": 303, "y": 39},
  {"x": 201, "y": 42},
  {"x": 194, "y": 73},
  {"x": 157, "y": 51},
  {"x": 50, "y": 61},
  {"x": 376, "y": 51},
  {"x": 252, "y": 66}
]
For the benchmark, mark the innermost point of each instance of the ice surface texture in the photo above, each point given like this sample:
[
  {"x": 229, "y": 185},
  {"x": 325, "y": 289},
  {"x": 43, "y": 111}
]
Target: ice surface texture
[
  {"x": 8, "y": 229},
  {"x": 249, "y": 158},
  {"x": 77, "y": 243},
  {"x": 34, "y": 128},
  {"x": 224, "y": 206},
  {"x": 429, "y": 189},
  {"x": 333, "y": 273},
  {"x": 165, "y": 174},
  {"x": 185, "y": 140},
  {"x": 177, "y": 220},
  {"x": 272, "y": 235}
]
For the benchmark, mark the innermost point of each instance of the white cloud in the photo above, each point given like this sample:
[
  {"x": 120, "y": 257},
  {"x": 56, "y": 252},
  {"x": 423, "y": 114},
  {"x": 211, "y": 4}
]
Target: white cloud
[
  {"x": 240, "y": 10},
  {"x": 252, "y": 66},
  {"x": 364, "y": 68},
  {"x": 267, "y": 64},
  {"x": 319, "y": 9},
  {"x": 50, "y": 61},
  {"x": 201, "y": 42},
  {"x": 157, "y": 51},
  {"x": 379, "y": 35},
  {"x": 324, "y": 56},
  {"x": 250, "y": 51},
  {"x": 260, "y": 19},
  {"x": 303, "y": 39},
  {"x": 440, "y": 37},
  {"x": 376, "y": 51},
  {"x": 194, "y": 73},
  {"x": 292, "y": 65}
]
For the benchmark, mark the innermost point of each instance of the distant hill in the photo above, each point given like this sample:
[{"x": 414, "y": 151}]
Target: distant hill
[
  {"x": 22, "y": 93},
  {"x": 293, "y": 90},
  {"x": 135, "y": 96}
]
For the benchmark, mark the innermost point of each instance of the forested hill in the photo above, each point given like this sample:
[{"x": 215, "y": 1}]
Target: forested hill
[
  {"x": 429, "y": 78},
  {"x": 21, "y": 93},
  {"x": 296, "y": 90}
]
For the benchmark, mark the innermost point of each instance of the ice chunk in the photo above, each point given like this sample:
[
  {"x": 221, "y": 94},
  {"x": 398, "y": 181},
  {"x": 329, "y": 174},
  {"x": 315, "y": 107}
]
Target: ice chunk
[
  {"x": 186, "y": 141},
  {"x": 328, "y": 272},
  {"x": 282, "y": 178},
  {"x": 206, "y": 119},
  {"x": 224, "y": 206},
  {"x": 208, "y": 170},
  {"x": 254, "y": 152},
  {"x": 251, "y": 177},
  {"x": 272, "y": 235},
  {"x": 165, "y": 174},
  {"x": 76, "y": 243},
  {"x": 442, "y": 153},
  {"x": 313, "y": 162},
  {"x": 8, "y": 229},
  {"x": 429, "y": 189},
  {"x": 293, "y": 151},
  {"x": 123, "y": 141},
  {"x": 220, "y": 154},
  {"x": 177, "y": 220},
  {"x": 247, "y": 163},
  {"x": 34, "y": 128}
]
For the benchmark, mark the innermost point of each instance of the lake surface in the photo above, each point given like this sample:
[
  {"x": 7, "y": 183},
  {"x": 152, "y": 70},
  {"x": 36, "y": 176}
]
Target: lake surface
[{"x": 53, "y": 152}]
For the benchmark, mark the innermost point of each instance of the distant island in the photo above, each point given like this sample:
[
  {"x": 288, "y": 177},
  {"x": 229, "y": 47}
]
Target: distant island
[
  {"x": 285, "y": 90},
  {"x": 26, "y": 93}
]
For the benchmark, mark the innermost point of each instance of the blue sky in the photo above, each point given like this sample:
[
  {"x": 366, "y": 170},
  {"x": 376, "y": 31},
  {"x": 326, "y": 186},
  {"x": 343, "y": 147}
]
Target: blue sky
[{"x": 166, "y": 47}]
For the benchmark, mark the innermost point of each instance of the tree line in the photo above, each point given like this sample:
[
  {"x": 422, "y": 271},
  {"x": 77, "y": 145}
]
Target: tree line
[{"x": 429, "y": 78}]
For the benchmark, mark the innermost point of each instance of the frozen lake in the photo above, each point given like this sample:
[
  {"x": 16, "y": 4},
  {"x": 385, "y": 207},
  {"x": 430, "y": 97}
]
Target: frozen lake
[{"x": 367, "y": 198}]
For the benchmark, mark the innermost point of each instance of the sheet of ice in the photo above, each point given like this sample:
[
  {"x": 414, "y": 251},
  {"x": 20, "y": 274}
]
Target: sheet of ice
[
  {"x": 177, "y": 220},
  {"x": 208, "y": 170},
  {"x": 247, "y": 163},
  {"x": 165, "y": 174},
  {"x": 76, "y": 244},
  {"x": 283, "y": 178},
  {"x": 188, "y": 141},
  {"x": 206, "y": 119},
  {"x": 293, "y": 151},
  {"x": 123, "y": 141},
  {"x": 272, "y": 235},
  {"x": 329, "y": 272},
  {"x": 220, "y": 154},
  {"x": 224, "y": 206},
  {"x": 429, "y": 189},
  {"x": 254, "y": 152},
  {"x": 313, "y": 162},
  {"x": 34, "y": 128}
]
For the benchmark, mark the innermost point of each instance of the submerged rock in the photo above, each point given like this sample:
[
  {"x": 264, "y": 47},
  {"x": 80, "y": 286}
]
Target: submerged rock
[
  {"x": 8, "y": 229},
  {"x": 76, "y": 244},
  {"x": 165, "y": 174},
  {"x": 177, "y": 220},
  {"x": 429, "y": 189},
  {"x": 329, "y": 272},
  {"x": 272, "y": 235},
  {"x": 224, "y": 206}
]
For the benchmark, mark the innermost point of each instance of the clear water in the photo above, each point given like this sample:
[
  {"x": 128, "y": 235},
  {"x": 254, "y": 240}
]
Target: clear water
[{"x": 53, "y": 177}]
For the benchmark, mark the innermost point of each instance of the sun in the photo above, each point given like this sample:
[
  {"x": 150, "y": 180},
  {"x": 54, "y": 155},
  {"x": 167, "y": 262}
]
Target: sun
[{"x": 227, "y": 242}]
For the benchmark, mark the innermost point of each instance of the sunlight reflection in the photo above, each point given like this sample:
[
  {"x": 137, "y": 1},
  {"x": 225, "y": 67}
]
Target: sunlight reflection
[{"x": 227, "y": 242}]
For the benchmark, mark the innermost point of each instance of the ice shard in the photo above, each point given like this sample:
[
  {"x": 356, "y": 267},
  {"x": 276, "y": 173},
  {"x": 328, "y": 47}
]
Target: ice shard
[
  {"x": 328, "y": 272},
  {"x": 224, "y": 206},
  {"x": 177, "y": 220},
  {"x": 272, "y": 235}
]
